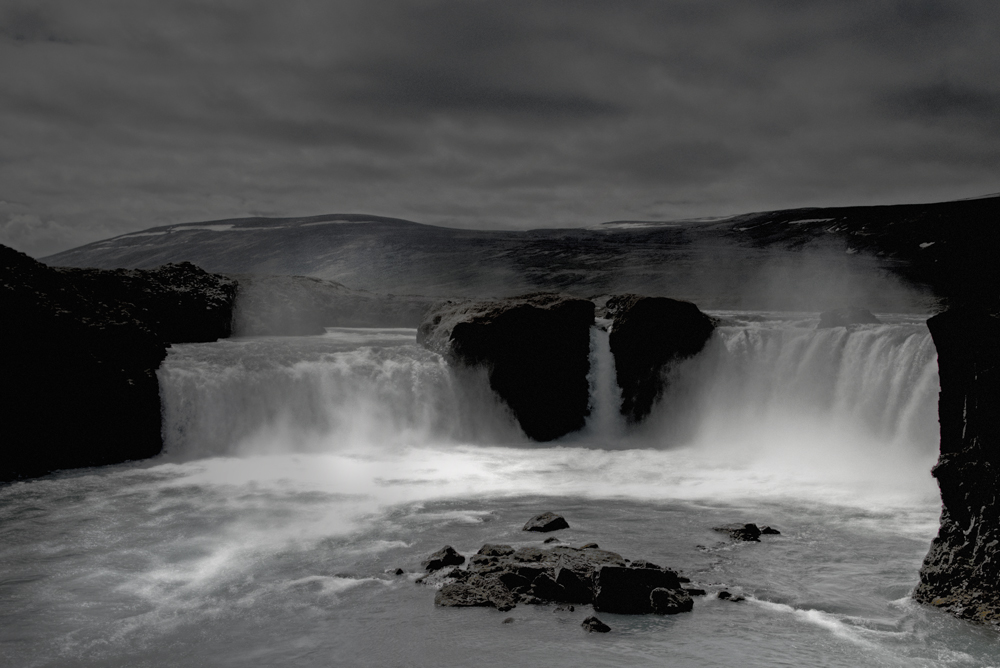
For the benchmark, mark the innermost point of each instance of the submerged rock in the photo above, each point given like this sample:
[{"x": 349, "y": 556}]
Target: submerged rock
[
  {"x": 727, "y": 596},
  {"x": 745, "y": 532},
  {"x": 851, "y": 315},
  {"x": 961, "y": 573},
  {"x": 647, "y": 334},
  {"x": 594, "y": 625},
  {"x": 536, "y": 349},
  {"x": 546, "y": 522}
]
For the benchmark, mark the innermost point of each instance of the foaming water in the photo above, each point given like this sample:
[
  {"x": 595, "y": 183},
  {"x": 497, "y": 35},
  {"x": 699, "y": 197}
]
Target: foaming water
[{"x": 302, "y": 472}]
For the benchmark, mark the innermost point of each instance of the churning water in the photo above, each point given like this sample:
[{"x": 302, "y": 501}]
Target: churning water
[{"x": 300, "y": 473}]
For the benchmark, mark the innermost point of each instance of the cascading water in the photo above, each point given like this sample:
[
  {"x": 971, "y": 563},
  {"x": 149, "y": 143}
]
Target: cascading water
[
  {"x": 604, "y": 424},
  {"x": 319, "y": 394},
  {"x": 300, "y": 473}
]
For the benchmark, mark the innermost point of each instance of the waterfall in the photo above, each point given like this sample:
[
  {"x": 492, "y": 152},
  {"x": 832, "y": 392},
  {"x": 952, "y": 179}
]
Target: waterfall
[
  {"x": 604, "y": 424},
  {"x": 769, "y": 390},
  {"x": 316, "y": 394},
  {"x": 786, "y": 393}
]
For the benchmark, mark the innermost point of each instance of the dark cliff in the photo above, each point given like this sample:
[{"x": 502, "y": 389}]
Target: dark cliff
[
  {"x": 79, "y": 351},
  {"x": 962, "y": 569},
  {"x": 647, "y": 334},
  {"x": 536, "y": 348}
]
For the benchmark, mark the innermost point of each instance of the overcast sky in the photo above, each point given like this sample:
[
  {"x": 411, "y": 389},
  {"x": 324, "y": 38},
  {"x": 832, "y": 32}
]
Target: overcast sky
[{"x": 121, "y": 115}]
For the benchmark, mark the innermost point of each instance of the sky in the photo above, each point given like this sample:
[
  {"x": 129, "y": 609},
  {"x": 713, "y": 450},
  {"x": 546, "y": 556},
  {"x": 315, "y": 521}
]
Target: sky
[{"x": 119, "y": 115}]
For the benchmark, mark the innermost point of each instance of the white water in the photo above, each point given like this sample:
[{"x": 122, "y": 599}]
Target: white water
[{"x": 298, "y": 471}]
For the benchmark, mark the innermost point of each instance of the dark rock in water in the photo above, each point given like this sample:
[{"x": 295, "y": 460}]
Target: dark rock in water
[
  {"x": 575, "y": 587},
  {"x": 769, "y": 531},
  {"x": 446, "y": 556},
  {"x": 727, "y": 596},
  {"x": 647, "y": 334},
  {"x": 594, "y": 625},
  {"x": 398, "y": 571},
  {"x": 508, "y": 620},
  {"x": 962, "y": 569},
  {"x": 536, "y": 348},
  {"x": 551, "y": 539},
  {"x": 491, "y": 550},
  {"x": 746, "y": 532},
  {"x": 692, "y": 591},
  {"x": 79, "y": 351},
  {"x": 590, "y": 546},
  {"x": 546, "y": 522},
  {"x": 841, "y": 317},
  {"x": 627, "y": 591},
  {"x": 670, "y": 601},
  {"x": 546, "y": 588},
  {"x": 562, "y": 574},
  {"x": 476, "y": 591}
]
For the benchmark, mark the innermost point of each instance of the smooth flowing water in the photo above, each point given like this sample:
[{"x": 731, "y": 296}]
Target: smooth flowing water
[{"x": 301, "y": 472}]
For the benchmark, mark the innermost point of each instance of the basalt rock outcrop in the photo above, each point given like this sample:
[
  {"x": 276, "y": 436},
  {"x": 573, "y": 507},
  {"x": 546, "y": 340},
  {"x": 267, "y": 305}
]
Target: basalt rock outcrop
[
  {"x": 536, "y": 349},
  {"x": 79, "y": 351},
  {"x": 962, "y": 569},
  {"x": 647, "y": 334},
  {"x": 179, "y": 303}
]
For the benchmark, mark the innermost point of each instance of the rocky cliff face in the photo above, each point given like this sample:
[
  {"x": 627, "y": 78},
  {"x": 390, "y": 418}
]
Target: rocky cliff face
[
  {"x": 647, "y": 334},
  {"x": 79, "y": 351},
  {"x": 537, "y": 350},
  {"x": 962, "y": 569}
]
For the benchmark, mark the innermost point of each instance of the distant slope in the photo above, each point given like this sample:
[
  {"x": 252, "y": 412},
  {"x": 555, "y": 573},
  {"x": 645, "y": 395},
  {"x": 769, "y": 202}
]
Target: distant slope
[{"x": 757, "y": 260}]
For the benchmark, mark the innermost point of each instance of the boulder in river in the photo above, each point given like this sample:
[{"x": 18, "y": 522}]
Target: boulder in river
[
  {"x": 744, "y": 532},
  {"x": 536, "y": 349},
  {"x": 647, "y": 334},
  {"x": 446, "y": 556},
  {"x": 594, "y": 625},
  {"x": 670, "y": 601},
  {"x": 546, "y": 522},
  {"x": 498, "y": 578},
  {"x": 628, "y": 591}
]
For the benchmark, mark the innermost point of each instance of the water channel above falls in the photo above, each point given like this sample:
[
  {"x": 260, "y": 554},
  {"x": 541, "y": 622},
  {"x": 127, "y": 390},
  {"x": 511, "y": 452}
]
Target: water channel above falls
[{"x": 300, "y": 472}]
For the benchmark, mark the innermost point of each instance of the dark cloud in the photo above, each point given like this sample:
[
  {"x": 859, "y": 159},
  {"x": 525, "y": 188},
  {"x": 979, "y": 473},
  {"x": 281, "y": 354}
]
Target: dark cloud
[
  {"x": 119, "y": 115},
  {"x": 947, "y": 99}
]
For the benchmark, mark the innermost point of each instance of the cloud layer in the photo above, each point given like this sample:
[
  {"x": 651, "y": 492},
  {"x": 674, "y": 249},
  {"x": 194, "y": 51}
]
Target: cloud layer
[{"x": 120, "y": 115}]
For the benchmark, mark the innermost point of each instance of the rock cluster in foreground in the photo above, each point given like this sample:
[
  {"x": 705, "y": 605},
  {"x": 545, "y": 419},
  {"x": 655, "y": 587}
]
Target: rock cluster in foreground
[
  {"x": 501, "y": 577},
  {"x": 962, "y": 569},
  {"x": 79, "y": 350}
]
